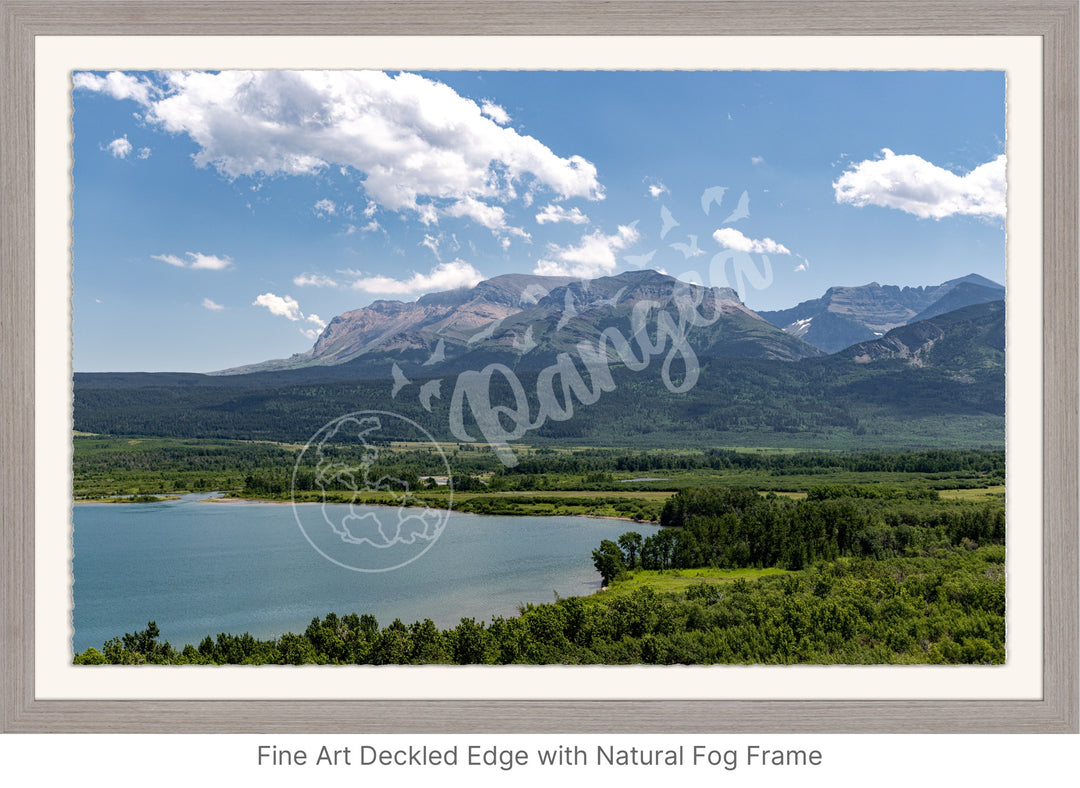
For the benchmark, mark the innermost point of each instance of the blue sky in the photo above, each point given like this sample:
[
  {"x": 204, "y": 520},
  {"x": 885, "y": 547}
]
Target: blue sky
[{"x": 223, "y": 218}]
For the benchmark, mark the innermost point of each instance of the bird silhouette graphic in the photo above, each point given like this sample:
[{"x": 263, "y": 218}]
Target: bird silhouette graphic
[
  {"x": 438, "y": 355},
  {"x": 532, "y": 294},
  {"x": 609, "y": 301},
  {"x": 431, "y": 389},
  {"x": 640, "y": 260},
  {"x": 714, "y": 194},
  {"x": 487, "y": 333},
  {"x": 668, "y": 222},
  {"x": 689, "y": 250},
  {"x": 400, "y": 381},
  {"x": 526, "y": 343},
  {"x": 569, "y": 310},
  {"x": 742, "y": 210}
]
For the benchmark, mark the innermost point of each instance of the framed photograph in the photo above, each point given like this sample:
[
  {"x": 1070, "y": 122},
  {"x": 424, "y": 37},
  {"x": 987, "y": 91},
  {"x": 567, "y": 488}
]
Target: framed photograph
[{"x": 540, "y": 367}]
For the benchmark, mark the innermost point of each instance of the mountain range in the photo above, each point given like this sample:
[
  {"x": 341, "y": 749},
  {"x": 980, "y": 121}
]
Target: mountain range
[
  {"x": 526, "y": 320},
  {"x": 936, "y": 379},
  {"x": 846, "y": 315}
]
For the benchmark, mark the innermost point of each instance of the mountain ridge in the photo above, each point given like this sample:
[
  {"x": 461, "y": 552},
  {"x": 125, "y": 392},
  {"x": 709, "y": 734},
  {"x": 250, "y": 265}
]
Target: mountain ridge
[
  {"x": 517, "y": 313},
  {"x": 844, "y": 315},
  {"x": 939, "y": 383}
]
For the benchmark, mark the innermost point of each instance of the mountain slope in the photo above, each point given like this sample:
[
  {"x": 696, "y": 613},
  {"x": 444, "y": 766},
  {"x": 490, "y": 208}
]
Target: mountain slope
[
  {"x": 935, "y": 384},
  {"x": 518, "y": 315},
  {"x": 844, "y": 316}
]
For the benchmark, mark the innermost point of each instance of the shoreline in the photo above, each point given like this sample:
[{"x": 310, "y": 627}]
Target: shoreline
[{"x": 225, "y": 499}]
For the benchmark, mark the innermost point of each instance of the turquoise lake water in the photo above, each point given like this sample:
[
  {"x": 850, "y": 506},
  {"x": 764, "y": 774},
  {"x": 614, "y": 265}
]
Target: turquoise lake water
[{"x": 199, "y": 568}]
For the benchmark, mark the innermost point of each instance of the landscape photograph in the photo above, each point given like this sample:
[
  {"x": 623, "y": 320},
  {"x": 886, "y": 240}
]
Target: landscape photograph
[{"x": 538, "y": 368}]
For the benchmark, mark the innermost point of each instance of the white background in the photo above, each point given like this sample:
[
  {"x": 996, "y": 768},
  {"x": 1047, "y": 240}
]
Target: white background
[{"x": 211, "y": 761}]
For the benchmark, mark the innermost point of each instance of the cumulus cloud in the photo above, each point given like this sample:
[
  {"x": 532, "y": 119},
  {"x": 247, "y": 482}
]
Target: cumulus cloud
[
  {"x": 117, "y": 85},
  {"x": 287, "y": 307},
  {"x": 420, "y": 146},
  {"x": 552, "y": 213},
  {"x": 495, "y": 112},
  {"x": 144, "y": 153},
  {"x": 282, "y": 306},
  {"x": 594, "y": 256},
  {"x": 120, "y": 148},
  {"x": 655, "y": 188},
  {"x": 211, "y": 305},
  {"x": 313, "y": 280},
  {"x": 730, "y": 238},
  {"x": 444, "y": 276},
  {"x": 757, "y": 159},
  {"x": 913, "y": 185},
  {"x": 207, "y": 262},
  {"x": 325, "y": 208}
]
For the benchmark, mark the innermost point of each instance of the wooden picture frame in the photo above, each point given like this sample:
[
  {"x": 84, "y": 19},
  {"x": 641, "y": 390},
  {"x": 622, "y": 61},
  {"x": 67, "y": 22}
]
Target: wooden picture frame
[{"x": 1055, "y": 21}]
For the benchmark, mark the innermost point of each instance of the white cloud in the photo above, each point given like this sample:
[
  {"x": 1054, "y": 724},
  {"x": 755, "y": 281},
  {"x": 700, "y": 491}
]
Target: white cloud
[
  {"x": 211, "y": 305},
  {"x": 757, "y": 159},
  {"x": 282, "y": 306},
  {"x": 444, "y": 276},
  {"x": 419, "y": 145},
  {"x": 120, "y": 148},
  {"x": 207, "y": 262},
  {"x": 594, "y": 256},
  {"x": 730, "y": 238},
  {"x": 552, "y": 213},
  {"x": 492, "y": 217},
  {"x": 117, "y": 85},
  {"x": 912, "y": 184},
  {"x": 313, "y": 280},
  {"x": 325, "y": 208},
  {"x": 495, "y": 112},
  {"x": 432, "y": 243},
  {"x": 287, "y": 307},
  {"x": 144, "y": 153},
  {"x": 656, "y": 188}
]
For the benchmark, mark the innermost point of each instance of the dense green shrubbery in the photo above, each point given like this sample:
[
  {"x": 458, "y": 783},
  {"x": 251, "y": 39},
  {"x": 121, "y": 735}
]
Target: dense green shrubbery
[
  {"x": 732, "y": 528},
  {"x": 947, "y": 608}
]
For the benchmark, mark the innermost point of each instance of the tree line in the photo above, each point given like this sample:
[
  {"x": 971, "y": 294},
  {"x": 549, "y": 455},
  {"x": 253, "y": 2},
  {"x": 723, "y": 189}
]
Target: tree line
[
  {"x": 730, "y": 528},
  {"x": 947, "y": 609}
]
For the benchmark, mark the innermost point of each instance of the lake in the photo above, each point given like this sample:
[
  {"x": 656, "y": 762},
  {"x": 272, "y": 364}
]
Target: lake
[{"x": 199, "y": 568}]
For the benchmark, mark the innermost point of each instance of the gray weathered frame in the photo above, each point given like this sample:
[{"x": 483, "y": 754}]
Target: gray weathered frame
[{"x": 1056, "y": 21}]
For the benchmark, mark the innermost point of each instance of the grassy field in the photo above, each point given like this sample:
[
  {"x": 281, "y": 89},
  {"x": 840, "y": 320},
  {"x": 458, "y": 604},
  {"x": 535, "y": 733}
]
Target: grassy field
[
  {"x": 996, "y": 492},
  {"x": 672, "y": 581},
  {"x": 560, "y": 481}
]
